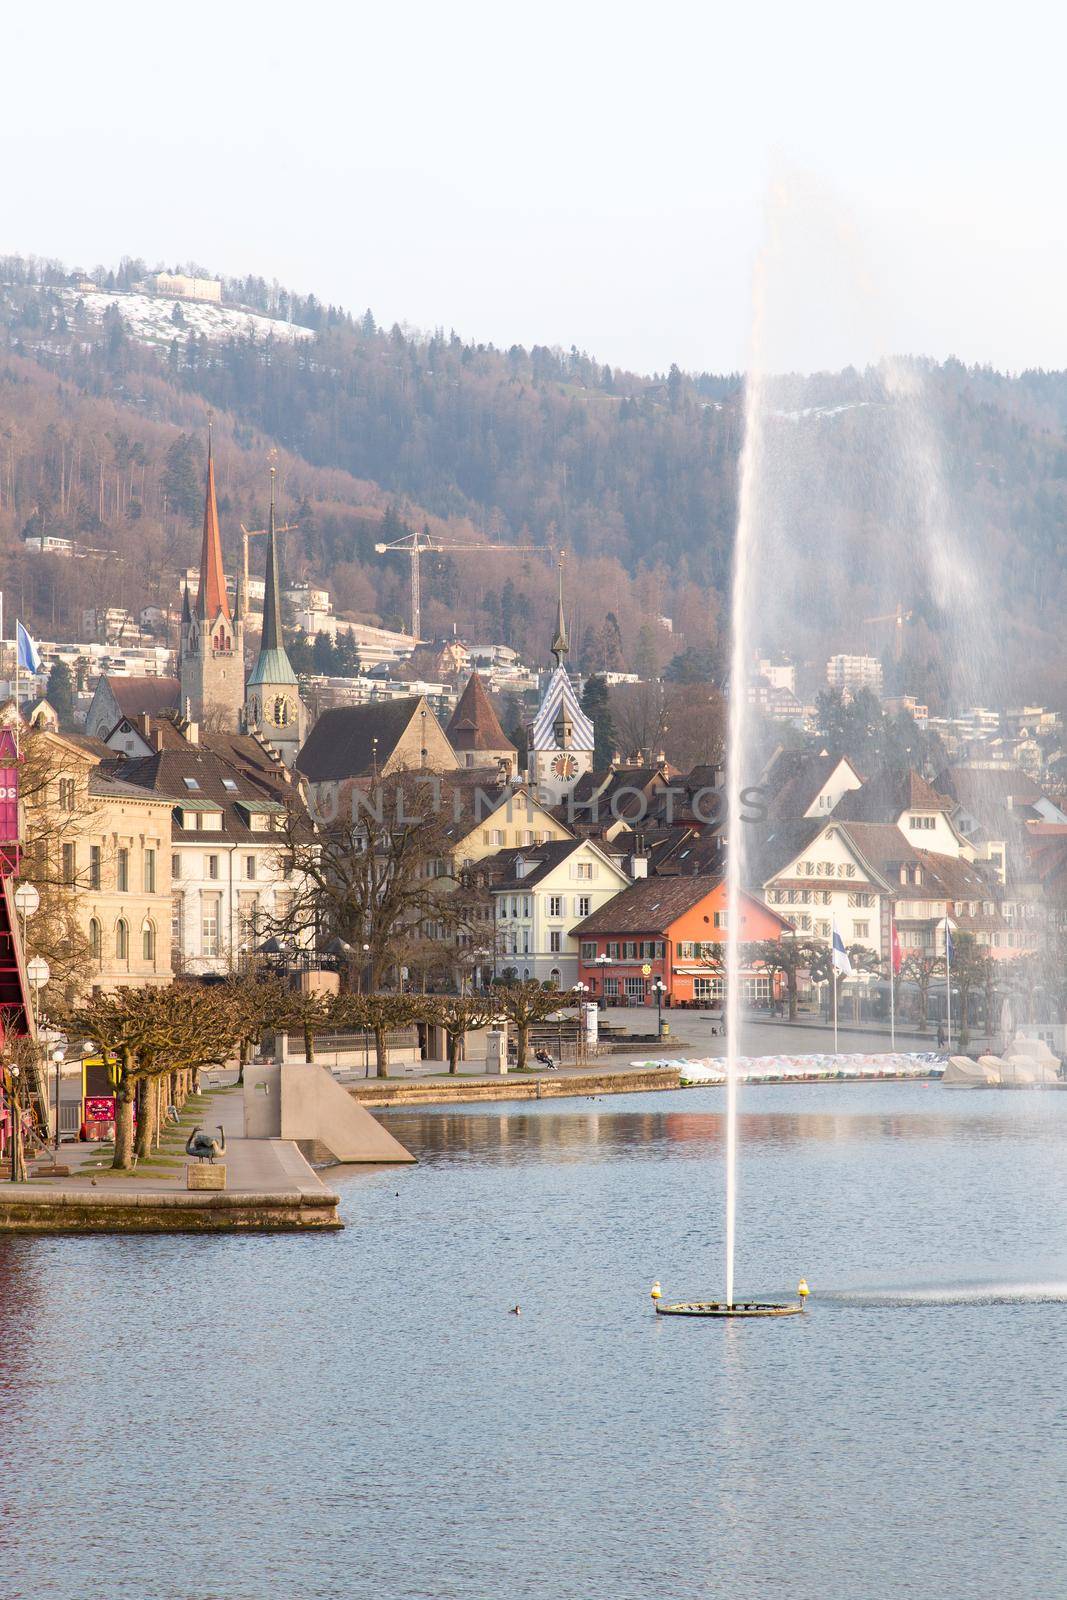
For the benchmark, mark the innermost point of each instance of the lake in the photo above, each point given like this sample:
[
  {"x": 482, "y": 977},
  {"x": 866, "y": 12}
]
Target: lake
[{"x": 360, "y": 1415}]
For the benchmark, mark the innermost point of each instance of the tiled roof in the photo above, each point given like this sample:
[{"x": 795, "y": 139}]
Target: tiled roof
[
  {"x": 650, "y": 905},
  {"x": 154, "y": 695},
  {"x": 887, "y": 796},
  {"x": 355, "y": 741},
  {"x": 474, "y": 724},
  {"x": 979, "y": 788},
  {"x": 793, "y": 779},
  {"x": 543, "y": 859},
  {"x": 214, "y": 783}
]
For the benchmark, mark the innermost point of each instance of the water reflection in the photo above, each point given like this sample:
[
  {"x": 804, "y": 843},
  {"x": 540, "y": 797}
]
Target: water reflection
[{"x": 520, "y": 1134}]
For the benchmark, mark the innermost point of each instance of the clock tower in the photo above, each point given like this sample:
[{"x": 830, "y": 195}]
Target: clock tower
[
  {"x": 561, "y": 736},
  {"x": 273, "y": 706}
]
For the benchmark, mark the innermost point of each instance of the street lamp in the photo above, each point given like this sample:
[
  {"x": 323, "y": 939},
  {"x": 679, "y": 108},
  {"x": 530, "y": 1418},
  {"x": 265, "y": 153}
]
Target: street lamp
[
  {"x": 14, "y": 1112},
  {"x": 659, "y": 989},
  {"x": 603, "y": 960},
  {"x": 581, "y": 990},
  {"x": 58, "y": 1054}
]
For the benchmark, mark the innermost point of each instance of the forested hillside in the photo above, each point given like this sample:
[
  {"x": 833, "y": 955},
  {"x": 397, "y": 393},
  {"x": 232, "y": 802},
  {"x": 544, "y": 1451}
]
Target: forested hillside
[{"x": 101, "y": 435}]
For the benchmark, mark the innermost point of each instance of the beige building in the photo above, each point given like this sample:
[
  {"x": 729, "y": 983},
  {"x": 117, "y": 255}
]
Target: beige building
[{"x": 109, "y": 843}]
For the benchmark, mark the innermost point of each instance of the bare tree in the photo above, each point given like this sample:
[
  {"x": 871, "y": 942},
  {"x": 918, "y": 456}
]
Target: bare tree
[{"x": 381, "y": 878}]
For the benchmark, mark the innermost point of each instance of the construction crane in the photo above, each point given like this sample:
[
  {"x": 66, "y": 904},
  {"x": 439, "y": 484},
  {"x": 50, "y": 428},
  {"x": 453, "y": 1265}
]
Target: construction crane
[
  {"x": 258, "y": 533},
  {"x": 898, "y": 617},
  {"x": 416, "y": 545}
]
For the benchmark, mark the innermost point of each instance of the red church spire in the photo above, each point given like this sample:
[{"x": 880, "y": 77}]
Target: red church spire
[{"x": 211, "y": 596}]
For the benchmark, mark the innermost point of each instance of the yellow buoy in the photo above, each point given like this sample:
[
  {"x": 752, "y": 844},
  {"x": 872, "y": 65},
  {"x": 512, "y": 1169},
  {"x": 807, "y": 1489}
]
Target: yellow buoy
[
  {"x": 802, "y": 1289},
  {"x": 656, "y": 1293}
]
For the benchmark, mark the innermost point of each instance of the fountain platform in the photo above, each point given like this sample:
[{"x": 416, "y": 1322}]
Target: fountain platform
[{"x": 718, "y": 1308}]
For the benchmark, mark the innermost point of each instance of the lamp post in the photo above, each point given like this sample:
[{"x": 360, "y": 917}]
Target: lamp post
[
  {"x": 365, "y": 962},
  {"x": 58, "y": 1054},
  {"x": 659, "y": 988},
  {"x": 581, "y": 990},
  {"x": 14, "y": 1112},
  {"x": 603, "y": 960}
]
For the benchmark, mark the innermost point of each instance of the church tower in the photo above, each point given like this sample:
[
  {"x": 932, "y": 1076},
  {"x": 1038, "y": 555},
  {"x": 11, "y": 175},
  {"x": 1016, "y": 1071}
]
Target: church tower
[
  {"x": 211, "y": 665},
  {"x": 273, "y": 706},
  {"x": 561, "y": 735}
]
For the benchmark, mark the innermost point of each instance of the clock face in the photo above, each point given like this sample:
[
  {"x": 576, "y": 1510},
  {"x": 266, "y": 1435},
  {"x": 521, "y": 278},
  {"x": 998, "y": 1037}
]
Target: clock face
[
  {"x": 281, "y": 711},
  {"x": 564, "y": 766}
]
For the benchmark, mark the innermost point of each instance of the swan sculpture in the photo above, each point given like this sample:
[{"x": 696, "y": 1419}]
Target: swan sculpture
[{"x": 204, "y": 1147}]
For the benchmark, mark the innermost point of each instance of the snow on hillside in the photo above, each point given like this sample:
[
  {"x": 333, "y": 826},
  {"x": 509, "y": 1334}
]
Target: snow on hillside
[{"x": 150, "y": 317}]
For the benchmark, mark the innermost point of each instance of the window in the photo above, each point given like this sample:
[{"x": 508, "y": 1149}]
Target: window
[
  {"x": 229, "y": 785},
  {"x": 212, "y": 866},
  {"x": 191, "y": 783},
  {"x": 861, "y": 930},
  {"x": 66, "y": 794},
  {"x": 613, "y": 949},
  {"x": 555, "y": 905},
  {"x": 634, "y": 988},
  {"x": 70, "y": 871},
  {"x": 611, "y": 988},
  {"x": 148, "y": 943},
  {"x": 175, "y": 866},
  {"x": 721, "y": 919},
  {"x": 555, "y": 942},
  {"x": 122, "y": 940},
  {"x": 122, "y": 871},
  {"x": 250, "y": 866},
  {"x": 686, "y": 950},
  {"x": 209, "y": 927},
  {"x": 177, "y": 919},
  {"x": 583, "y": 903},
  {"x": 96, "y": 856},
  {"x": 588, "y": 949},
  {"x": 96, "y": 942},
  {"x": 584, "y": 869},
  {"x": 150, "y": 871}
]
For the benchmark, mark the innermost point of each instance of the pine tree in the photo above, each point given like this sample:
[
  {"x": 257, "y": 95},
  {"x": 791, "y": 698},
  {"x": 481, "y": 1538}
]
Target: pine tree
[
  {"x": 60, "y": 693},
  {"x": 597, "y": 706}
]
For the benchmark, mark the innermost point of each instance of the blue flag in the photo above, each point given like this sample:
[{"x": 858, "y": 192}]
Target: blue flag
[
  {"x": 29, "y": 655},
  {"x": 840, "y": 957}
]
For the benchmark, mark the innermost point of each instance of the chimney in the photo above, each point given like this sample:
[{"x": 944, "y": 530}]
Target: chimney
[
  {"x": 638, "y": 858},
  {"x": 146, "y": 724},
  {"x": 192, "y": 733},
  {"x": 159, "y": 739}
]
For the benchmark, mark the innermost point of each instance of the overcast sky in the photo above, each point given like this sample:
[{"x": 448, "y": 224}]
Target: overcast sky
[{"x": 583, "y": 173}]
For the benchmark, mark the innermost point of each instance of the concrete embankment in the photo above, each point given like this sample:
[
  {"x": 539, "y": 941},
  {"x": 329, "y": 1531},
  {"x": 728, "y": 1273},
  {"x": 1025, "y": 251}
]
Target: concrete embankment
[
  {"x": 515, "y": 1086},
  {"x": 30, "y": 1210}
]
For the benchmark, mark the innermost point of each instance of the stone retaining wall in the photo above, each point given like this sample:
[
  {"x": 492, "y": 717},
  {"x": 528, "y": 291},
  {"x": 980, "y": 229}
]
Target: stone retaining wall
[
  {"x": 26, "y": 1210},
  {"x": 435, "y": 1091}
]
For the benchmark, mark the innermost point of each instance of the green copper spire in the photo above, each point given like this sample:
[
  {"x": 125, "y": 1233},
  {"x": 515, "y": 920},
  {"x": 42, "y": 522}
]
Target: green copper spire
[{"x": 272, "y": 664}]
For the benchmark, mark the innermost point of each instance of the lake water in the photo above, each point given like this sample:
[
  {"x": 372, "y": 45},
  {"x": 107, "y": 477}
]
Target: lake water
[{"x": 359, "y": 1415}]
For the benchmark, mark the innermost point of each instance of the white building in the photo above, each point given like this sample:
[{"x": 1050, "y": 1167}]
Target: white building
[
  {"x": 540, "y": 893},
  {"x": 852, "y": 673},
  {"x": 186, "y": 288}
]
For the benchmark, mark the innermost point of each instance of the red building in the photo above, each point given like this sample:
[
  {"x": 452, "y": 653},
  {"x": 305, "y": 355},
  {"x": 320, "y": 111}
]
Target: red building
[{"x": 672, "y": 930}]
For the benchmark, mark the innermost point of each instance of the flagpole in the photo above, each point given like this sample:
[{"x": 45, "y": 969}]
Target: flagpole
[
  {"x": 948, "y": 984},
  {"x": 833, "y": 972},
  {"x": 892, "y": 983}
]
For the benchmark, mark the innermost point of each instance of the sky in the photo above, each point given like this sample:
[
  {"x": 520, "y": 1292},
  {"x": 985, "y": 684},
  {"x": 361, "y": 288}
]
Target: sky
[{"x": 586, "y": 174}]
